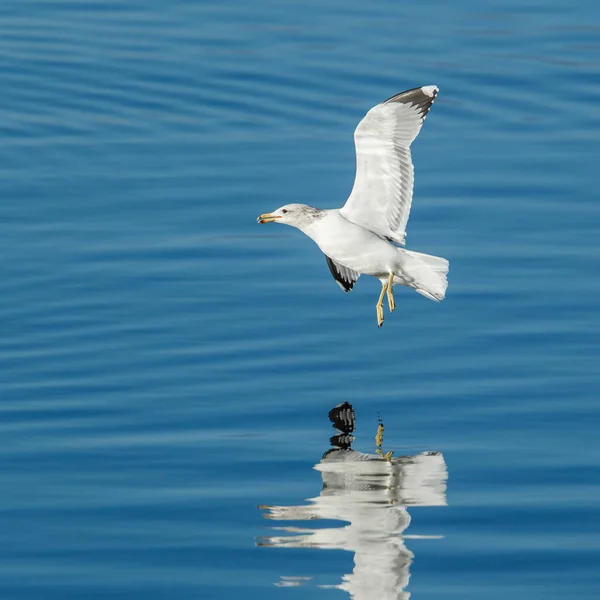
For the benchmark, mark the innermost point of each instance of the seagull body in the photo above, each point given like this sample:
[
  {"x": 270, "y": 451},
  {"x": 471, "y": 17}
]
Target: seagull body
[{"x": 363, "y": 236}]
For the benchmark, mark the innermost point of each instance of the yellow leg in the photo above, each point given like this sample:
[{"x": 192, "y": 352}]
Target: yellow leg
[
  {"x": 379, "y": 305},
  {"x": 390, "y": 294}
]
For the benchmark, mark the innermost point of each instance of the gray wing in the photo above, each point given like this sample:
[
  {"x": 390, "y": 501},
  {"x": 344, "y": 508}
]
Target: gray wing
[
  {"x": 383, "y": 187},
  {"x": 345, "y": 277}
]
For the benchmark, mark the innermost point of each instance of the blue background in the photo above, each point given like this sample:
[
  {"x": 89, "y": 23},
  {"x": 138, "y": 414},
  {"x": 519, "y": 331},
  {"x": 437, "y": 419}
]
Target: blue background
[{"x": 167, "y": 364}]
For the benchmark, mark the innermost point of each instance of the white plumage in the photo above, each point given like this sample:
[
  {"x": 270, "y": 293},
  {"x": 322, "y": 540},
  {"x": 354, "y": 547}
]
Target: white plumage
[
  {"x": 382, "y": 192},
  {"x": 360, "y": 238}
]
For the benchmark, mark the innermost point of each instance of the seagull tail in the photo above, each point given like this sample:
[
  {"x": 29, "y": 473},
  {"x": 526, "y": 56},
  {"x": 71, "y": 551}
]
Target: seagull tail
[{"x": 428, "y": 274}]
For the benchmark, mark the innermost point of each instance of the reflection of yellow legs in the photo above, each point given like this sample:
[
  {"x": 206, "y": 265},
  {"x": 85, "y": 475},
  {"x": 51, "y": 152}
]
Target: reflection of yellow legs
[
  {"x": 387, "y": 456},
  {"x": 379, "y": 441},
  {"x": 379, "y": 435},
  {"x": 390, "y": 293},
  {"x": 379, "y": 304}
]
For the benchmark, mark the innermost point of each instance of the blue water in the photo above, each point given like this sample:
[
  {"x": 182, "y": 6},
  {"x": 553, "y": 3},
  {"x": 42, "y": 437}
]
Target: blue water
[{"x": 167, "y": 365}]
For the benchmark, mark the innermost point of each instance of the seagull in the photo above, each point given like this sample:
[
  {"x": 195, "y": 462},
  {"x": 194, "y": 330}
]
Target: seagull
[{"x": 364, "y": 236}]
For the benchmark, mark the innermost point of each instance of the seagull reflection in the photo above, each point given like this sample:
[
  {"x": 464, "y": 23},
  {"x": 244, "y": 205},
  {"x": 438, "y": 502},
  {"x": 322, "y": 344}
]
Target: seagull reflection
[{"x": 370, "y": 492}]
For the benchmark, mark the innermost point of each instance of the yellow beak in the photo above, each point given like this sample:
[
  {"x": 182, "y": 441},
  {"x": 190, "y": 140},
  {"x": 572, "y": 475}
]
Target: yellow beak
[{"x": 267, "y": 218}]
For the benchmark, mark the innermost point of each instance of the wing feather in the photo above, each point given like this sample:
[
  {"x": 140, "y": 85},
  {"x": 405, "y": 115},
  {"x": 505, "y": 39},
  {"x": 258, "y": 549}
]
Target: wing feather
[
  {"x": 383, "y": 187},
  {"x": 345, "y": 277}
]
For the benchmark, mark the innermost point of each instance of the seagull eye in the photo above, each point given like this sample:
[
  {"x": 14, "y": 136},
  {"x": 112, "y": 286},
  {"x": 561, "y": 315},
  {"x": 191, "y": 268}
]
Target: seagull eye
[{"x": 284, "y": 211}]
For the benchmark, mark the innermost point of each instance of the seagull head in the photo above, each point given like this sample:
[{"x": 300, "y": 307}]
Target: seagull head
[{"x": 296, "y": 215}]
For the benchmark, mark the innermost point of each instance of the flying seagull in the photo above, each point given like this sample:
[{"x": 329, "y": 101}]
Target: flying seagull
[{"x": 363, "y": 236}]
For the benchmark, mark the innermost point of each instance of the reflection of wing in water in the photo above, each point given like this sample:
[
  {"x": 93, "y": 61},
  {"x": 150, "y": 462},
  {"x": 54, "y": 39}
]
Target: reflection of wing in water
[{"x": 371, "y": 494}]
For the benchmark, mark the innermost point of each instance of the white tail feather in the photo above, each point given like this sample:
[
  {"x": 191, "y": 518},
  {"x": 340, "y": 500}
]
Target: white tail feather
[{"x": 428, "y": 274}]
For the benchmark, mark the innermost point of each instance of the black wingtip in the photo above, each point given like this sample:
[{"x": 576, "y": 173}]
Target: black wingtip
[
  {"x": 342, "y": 417},
  {"x": 421, "y": 98},
  {"x": 345, "y": 285}
]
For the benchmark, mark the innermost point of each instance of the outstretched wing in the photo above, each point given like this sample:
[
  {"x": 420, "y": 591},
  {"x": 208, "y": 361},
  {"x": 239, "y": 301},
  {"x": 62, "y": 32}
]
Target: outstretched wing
[
  {"x": 346, "y": 278},
  {"x": 382, "y": 192}
]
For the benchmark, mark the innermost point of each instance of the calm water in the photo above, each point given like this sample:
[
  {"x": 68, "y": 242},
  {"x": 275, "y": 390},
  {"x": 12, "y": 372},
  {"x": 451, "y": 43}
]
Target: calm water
[{"x": 168, "y": 366}]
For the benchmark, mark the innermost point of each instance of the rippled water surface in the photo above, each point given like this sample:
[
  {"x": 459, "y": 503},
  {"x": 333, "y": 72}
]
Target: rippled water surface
[{"x": 168, "y": 366}]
